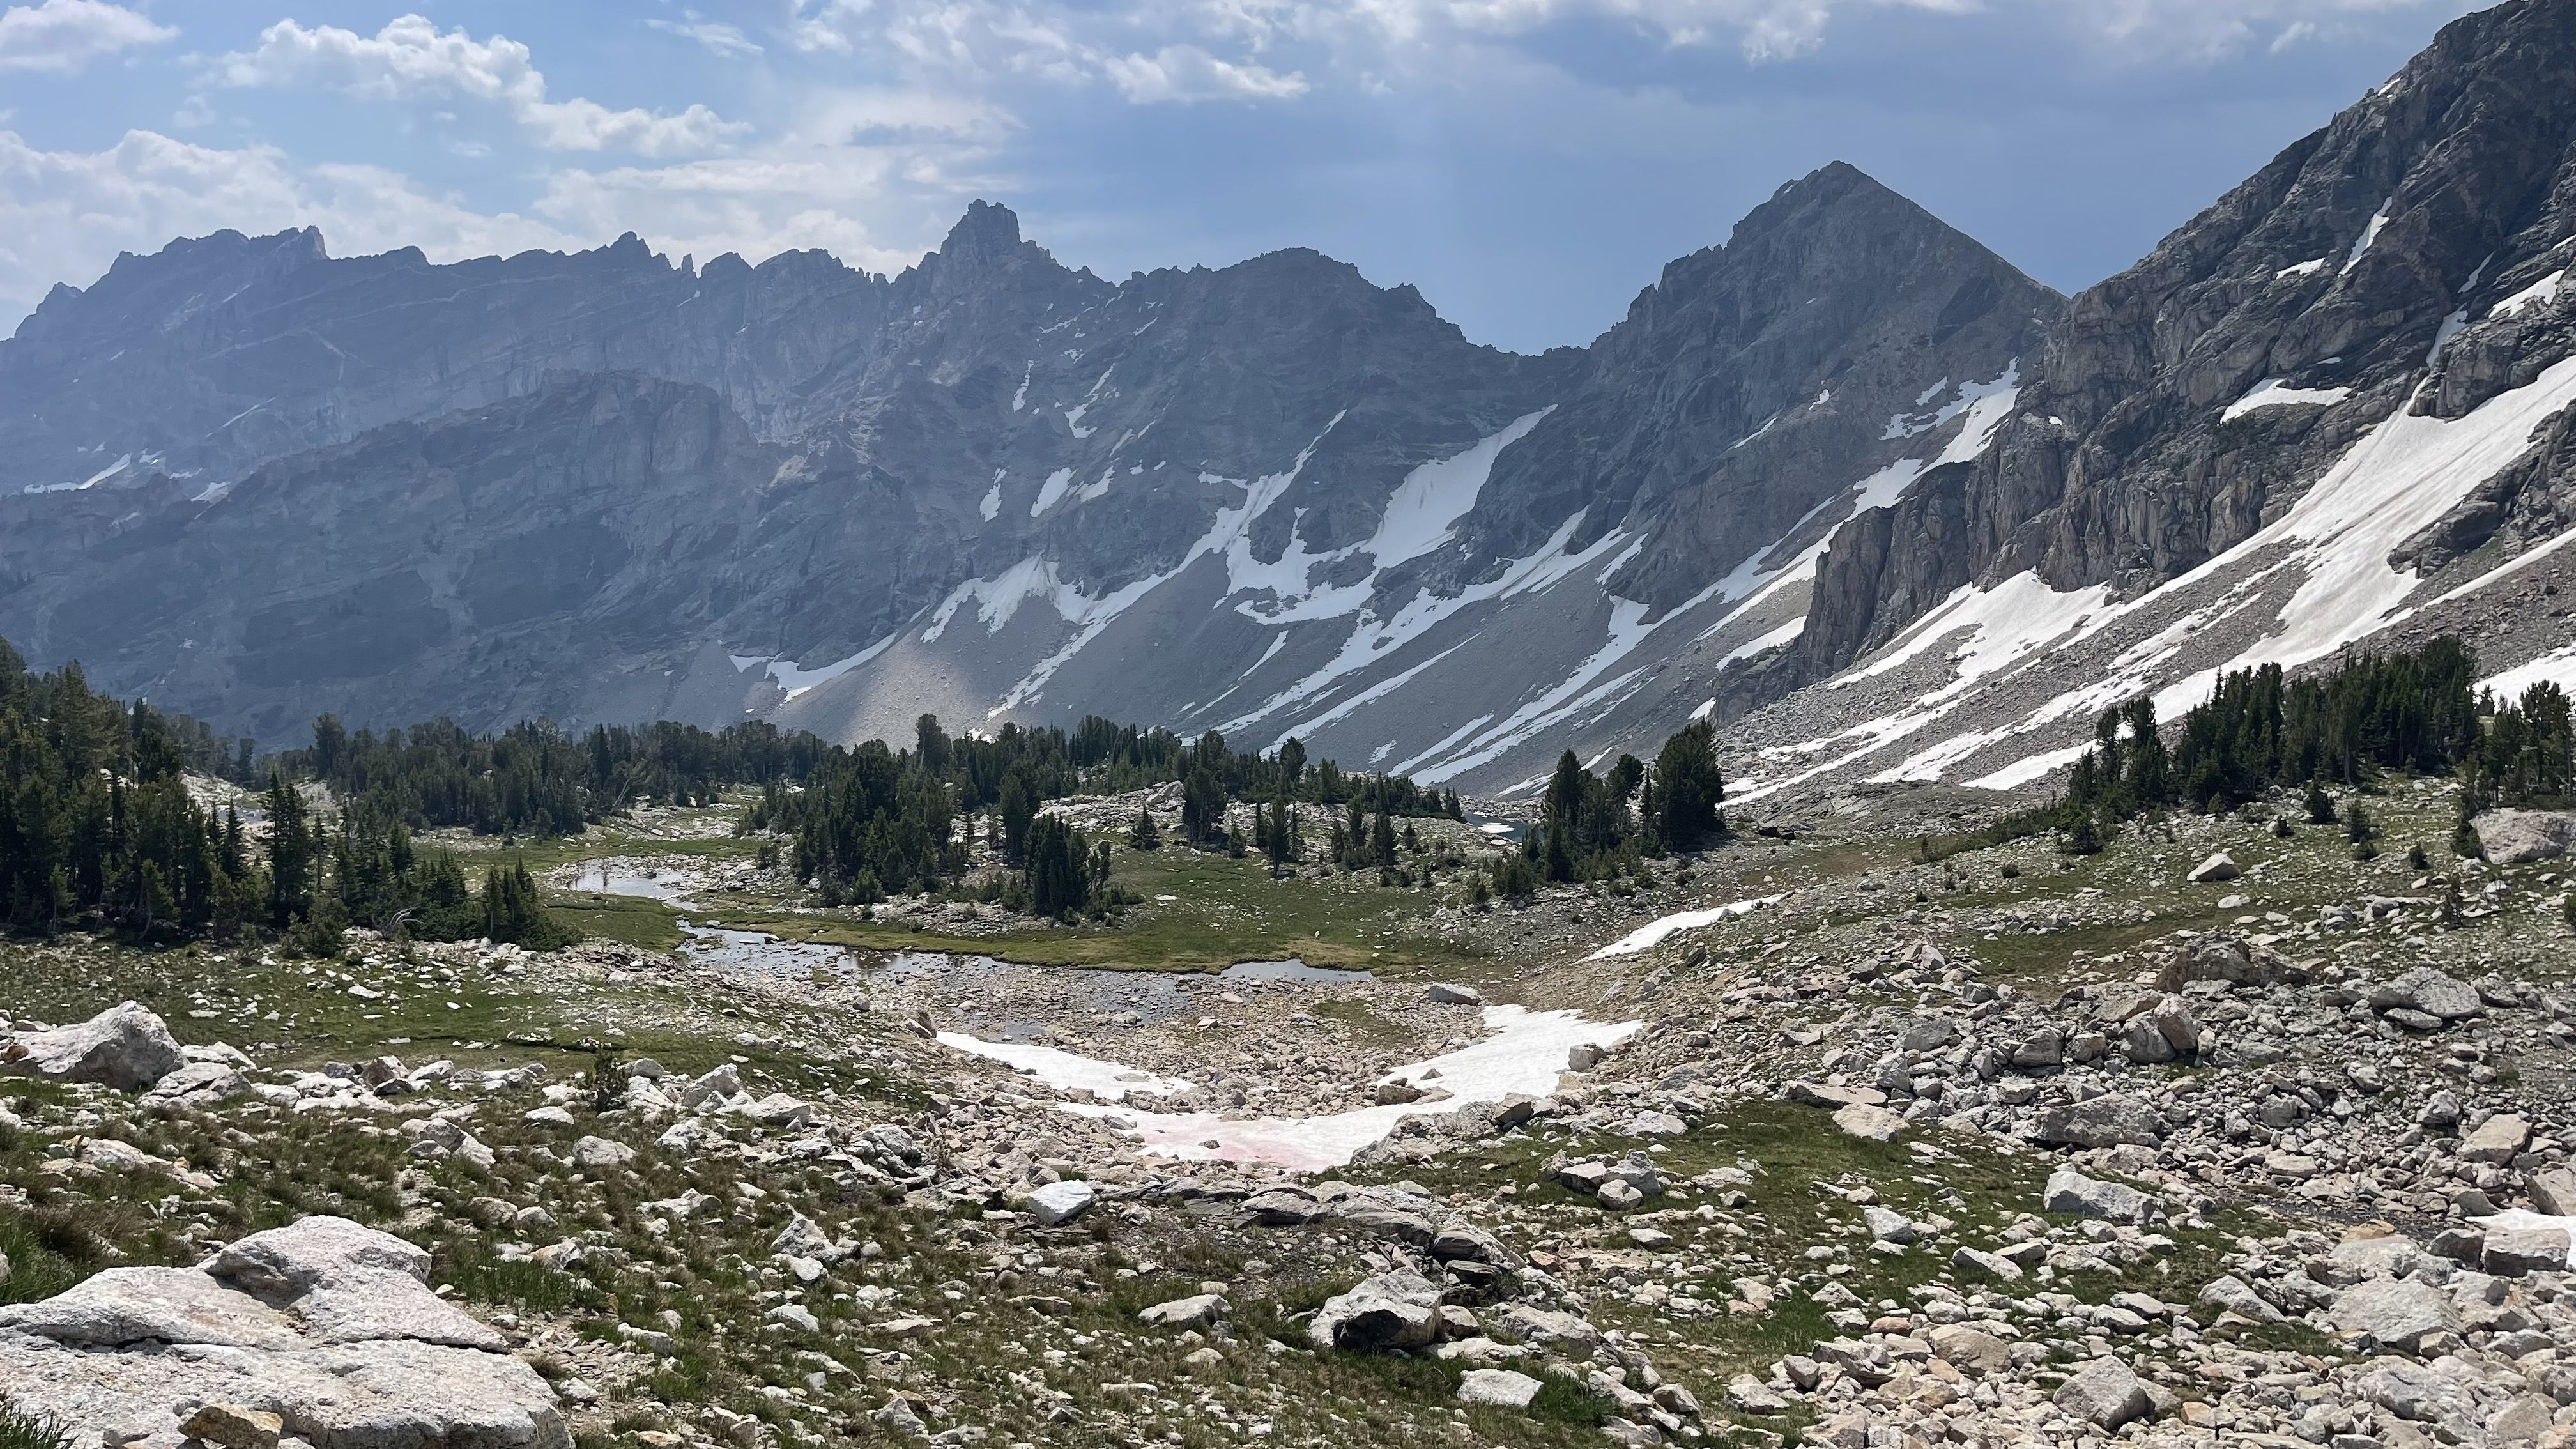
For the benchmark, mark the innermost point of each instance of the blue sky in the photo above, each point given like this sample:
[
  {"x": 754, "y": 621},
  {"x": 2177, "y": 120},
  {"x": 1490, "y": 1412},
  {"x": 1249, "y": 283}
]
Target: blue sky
[{"x": 1528, "y": 164}]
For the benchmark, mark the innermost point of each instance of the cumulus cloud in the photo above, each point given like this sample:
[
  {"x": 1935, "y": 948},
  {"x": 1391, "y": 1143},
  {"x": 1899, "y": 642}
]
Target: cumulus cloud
[
  {"x": 64, "y": 215},
  {"x": 66, "y": 35},
  {"x": 1187, "y": 73},
  {"x": 411, "y": 59}
]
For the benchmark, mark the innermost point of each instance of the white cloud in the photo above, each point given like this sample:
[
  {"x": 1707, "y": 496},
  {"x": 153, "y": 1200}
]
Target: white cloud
[
  {"x": 64, "y": 215},
  {"x": 411, "y": 59},
  {"x": 724, "y": 40},
  {"x": 65, "y": 35},
  {"x": 1187, "y": 73}
]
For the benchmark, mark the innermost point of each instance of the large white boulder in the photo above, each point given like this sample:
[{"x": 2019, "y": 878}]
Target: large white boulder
[{"x": 125, "y": 1047}]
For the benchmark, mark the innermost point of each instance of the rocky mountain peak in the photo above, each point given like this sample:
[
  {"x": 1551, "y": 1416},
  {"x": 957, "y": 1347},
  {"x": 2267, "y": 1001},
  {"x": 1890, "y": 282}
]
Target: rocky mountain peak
[{"x": 2365, "y": 272}]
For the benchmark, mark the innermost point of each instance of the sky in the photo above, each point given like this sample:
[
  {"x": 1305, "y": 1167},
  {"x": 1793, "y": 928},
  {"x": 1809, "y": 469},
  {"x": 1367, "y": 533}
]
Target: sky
[{"x": 1529, "y": 165}]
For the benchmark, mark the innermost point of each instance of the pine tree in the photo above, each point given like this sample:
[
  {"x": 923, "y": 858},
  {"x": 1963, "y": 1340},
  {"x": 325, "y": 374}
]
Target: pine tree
[
  {"x": 1142, "y": 837},
  {"x": 1688, "y": 789}
]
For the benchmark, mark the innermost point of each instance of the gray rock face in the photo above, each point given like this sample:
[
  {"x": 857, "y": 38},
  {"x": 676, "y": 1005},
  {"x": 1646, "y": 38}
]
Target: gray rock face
[
  {"x": 2118, "y": 463},
  {"x": 125, "y": 1047},
  {"x": 324, "y": 1323}
]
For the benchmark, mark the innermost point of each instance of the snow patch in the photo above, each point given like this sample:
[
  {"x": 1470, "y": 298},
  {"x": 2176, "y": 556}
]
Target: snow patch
[
  {"x": 1652, "y": 934},
  {"x": 796, "y": 679},
  {"x": 2301, "y": 269},
  {"x": 2542, "y": 294},
  {"x": 1065, "y": 1071},
  {"x": 2273, "y": 392},
  {"x": 1425, "y": 508},
  {"x": 1050, "y": 491},
  {"x": 2369, "y": 234},
  {"x": 1524, "y": 1057}
]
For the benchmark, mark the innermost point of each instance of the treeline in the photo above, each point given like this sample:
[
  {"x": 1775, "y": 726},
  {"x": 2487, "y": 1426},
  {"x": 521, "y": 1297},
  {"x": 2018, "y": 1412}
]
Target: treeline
[
  {"x": 2416, "y": 712},
  {"x": 873, "y": 821},
  {"x": 98, "y": 829},
  {"x": 534, "y": 779}
]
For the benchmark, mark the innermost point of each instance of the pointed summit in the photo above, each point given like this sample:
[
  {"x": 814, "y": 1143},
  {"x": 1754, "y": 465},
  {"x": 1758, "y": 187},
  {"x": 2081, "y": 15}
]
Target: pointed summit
[{"x": 987, "y": 233}]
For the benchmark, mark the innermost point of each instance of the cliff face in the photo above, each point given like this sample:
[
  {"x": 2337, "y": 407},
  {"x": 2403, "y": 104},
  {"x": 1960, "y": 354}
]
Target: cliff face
[{"x": 2370, "y": 267}]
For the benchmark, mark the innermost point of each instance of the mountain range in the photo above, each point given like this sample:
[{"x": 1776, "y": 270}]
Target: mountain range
[{"x": 1849, "y": 482}]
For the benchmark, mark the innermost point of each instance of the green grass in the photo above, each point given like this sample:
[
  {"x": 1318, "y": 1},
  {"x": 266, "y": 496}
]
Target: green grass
[
  {"x": 24, "y": 1431},
  {"x": 630, "y": 920},
  {"x": 1224, "y": 911}
]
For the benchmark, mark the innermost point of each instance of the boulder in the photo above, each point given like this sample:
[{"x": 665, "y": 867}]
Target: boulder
[
  {"x": 2219, "y": 867},
  {"x": 1829, "y": 1096},
  {"x": 1444, "y": 993},
  {"x": 2496, "y": 1140},
  {"x": 1978, "y": 1263},
  {"x": 2394, "y": 1313},
  {"x": 1502, "y": 1388},
  {"x": 2105, "y": 1121},
  {"x": 285, "y": 1262},
  {"x": 2554, "y": 1193},
  {"x": 600, "y": 1154},
  {"x": 1282, "y": 1207},
  {"x": 2519, "y": 837},
  {"x": 2104, "y": 1393},
  {"x": 323, "y": 1330},
  {"x": 1752, "y": 1396},
  {"x": 1861, "y": 1119},
  {"x": 1459, "y": 1239},
  {"x": 1196, "y": 1311},
  {"x": 1391, "y": 1310},
  {"x": 2232, "y": 1294},
  {"x": 2428, "y": 992},
  {"x": 2069, "y": 1191},
  {"x": 1058, "y": 1203},
  {"x": 2517, "y": 1251},
  {"x": 2041, "y": 1050},
  {"x": 125, "y": 1047},
  {"x": 1550, "y": 1329},
  {"x": 120, "y": 1306},
  {"x": 2218, "y": 957},
  {"x": 1972, "y": 1349}
]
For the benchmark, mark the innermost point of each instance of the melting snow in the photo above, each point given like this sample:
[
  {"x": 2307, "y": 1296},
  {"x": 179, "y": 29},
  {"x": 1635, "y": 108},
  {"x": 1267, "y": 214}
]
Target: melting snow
[
  {"x": 2543, "y": 294},
  {"x": 1051, "y": 490},
  {"x": 796, "y": 679},
  {"x": 2300, "y": 269},
  {"x": 1652, "y": 934},
  {"x": 1020, "y": 399},
  {"x": 1062, "y": 1069},
  {"x": 991, "y": 507},
  {"x": 2558, "y": 667},
  {"x": 2402, "y": 475},
  {"x": 1525, "y": 1056},
  {"x": 2369, "y": 234},
  {"x": 2271, "y": 392},
  {"x": 1427, "y": 505}
]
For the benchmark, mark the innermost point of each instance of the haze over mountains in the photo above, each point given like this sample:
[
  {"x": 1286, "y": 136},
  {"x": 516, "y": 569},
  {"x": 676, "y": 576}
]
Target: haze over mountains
[{"x": 1850, "y": 474}]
